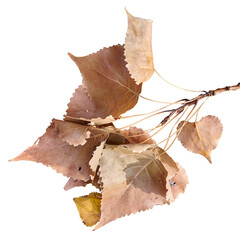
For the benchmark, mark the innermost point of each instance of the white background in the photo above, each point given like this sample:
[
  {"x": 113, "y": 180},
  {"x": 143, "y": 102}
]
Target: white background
[{"x": 196, "y": 45}]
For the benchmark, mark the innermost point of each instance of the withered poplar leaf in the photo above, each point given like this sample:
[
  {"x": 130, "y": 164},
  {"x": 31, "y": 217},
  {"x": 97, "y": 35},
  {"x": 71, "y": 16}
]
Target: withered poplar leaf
[
  {"x": 52, "y": 151},
  {"x": 136, "y": 135},
  {"x": 138, "y": 48},
  {"x": 107, "y": 89},
  {"x": 115, "y": 136},
  {"x": 94, "y": 161},
  {"x": 131, "y": 181},
  {"x": 89, "y": 208},
  {"x": 71, "y": 183},
  {"x": 177, "y": 179},
  {"x": 178, "y": 182},
  {"x": 81, "y": 106},
  {"x": 94, "y": 121},
  {"x": 74, "y": 134},
  {"x": 201, "y": 137},
  {"x": 77, "y": 134}
]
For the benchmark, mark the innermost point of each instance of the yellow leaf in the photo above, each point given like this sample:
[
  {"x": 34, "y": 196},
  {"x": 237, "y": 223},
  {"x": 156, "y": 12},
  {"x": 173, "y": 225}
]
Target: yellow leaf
[{"x": 89, "y": 208}]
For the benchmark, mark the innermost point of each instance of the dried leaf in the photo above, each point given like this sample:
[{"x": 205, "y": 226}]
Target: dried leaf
[
  {"x": 74, "y": 134},
  {"x": 115, "y": 136},
  {"x": 81, "y": 106},
  {"x": 138, "y": 148},
  {"x": 138, "y": 48},
  {"x": 108, "y": 88},
  {"x": 93, "y": 121},
  {"x": 89, "y": 208},
  {"x": 137, "y": 135},
  {"x": 96, "y": 157},
  {"x": 179, "y": 182},
  {"x": 201, "y": 137},
  {"x": 77, "y": 134},
  {"x": 177, "y": 179},
  {"x": 71, "y": 183},
  {"x": 132, "y": 182},
  {"x": 52, "y": 151}
]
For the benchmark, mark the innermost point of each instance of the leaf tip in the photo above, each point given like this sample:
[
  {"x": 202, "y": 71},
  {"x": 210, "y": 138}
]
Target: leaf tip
[{"x": 71, "y": 56}]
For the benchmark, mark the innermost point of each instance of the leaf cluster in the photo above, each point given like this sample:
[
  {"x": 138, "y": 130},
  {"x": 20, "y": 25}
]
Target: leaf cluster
[{"x": 129, "y": 170}]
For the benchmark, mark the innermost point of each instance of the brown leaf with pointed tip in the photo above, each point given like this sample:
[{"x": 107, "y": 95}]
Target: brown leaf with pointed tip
[
  {"x": 89, "y": 208},
  {"x": 137, "y": 135},
  {"x": 138, "y": 48},
  {"x": 71, "y": 183},
  {"x": 52, "y": 151},
  {"x": 132, "y": 182},
  {"x": 108, "y": 88},
  {"x": 201, "y": 137}
]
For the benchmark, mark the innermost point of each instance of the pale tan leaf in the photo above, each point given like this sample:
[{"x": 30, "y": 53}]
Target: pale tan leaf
[
  {"x": 94, "y": 161},
  {"x": 108, "y": 88},
  {"x": 201, "y": 137},
  {"x": 89, "y": 208},
  {"x": 138, "y": 148},
  {"x": 138, "y": 48},
  {"x": 132, "y": 182},
  {"x": 92, "y": 121}
]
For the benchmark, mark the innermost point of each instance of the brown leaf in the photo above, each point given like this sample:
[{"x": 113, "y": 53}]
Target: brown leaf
[
  {"x": 52, "y": 151},
  {"x": 115, "y": 136},
  {"x": 89, "y": 208},
  {"x": 71, "y": 183},
  {"x": 132, "y": 182},
  {"x": 179, "y": 182},
  {"x": 138, "y": 48},
  {"x": 201, "y": 137},
  {"x": 81, "y": 106},
  {"x": 137, "y": 135},
  {"x": 77, "y": 134},
  {"x": 73, "y": 133},
  {"x": 108, "y": 88},
  {"x": 177, "y": 179}
]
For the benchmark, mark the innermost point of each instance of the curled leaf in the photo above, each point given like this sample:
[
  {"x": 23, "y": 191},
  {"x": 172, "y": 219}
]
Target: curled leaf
[
  {"x": 89, "y": 208},
  {"x": 201, "y": 137},
  {"x": 178, "y": 182},
  {"x": 71, "y": 183},
  {"x": 138, "y": 48},
  {"x": 94, "y": 161},
  {"x": 107, "y": 89},
  {"x": 93, "y": 121},
  {"x": 132, "y": 182}
]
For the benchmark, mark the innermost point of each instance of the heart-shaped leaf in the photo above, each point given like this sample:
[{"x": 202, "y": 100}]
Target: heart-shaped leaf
[{"x": 201, "y": 137}]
